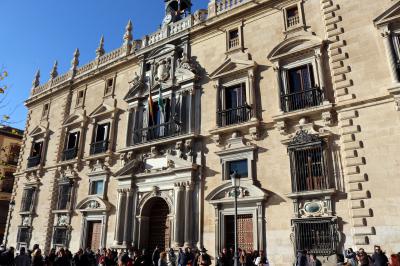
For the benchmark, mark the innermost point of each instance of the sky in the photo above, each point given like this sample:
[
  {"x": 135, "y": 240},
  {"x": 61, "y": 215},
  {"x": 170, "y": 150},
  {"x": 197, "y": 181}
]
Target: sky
[{"x": 35, "y": 33}]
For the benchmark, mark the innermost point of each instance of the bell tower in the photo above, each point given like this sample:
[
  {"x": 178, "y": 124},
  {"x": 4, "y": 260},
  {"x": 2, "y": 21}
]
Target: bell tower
[{"x": 176, "y": 10}]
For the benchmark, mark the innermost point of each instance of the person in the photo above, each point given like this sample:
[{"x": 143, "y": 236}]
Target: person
[
  {"x": 221, "y": 259},
  {"x": 162, "y": 261},
  {"x": 156, "y": 256},
  {"x": 394, "y": 260},
  {"x": 196, "y": 255},
  {"x": 203, "y": 259},
  {"x": 379, "y": 258},
  {"x": 7, "y": 257},
  {"x": 51, "y": 257},
  {"x": 145, "y": 259},
  {"x": 22, "y": 259},
  {"x": 37, "y": 258},
  {"x": 363, "y": 258},
  {"x": 261, "y": 259},
  {"x": 301, "y": 258},
  {"x": 314, "y": 261},
  {"x": 351, "y": 257},
  {"x": 171, "y": 257},
  {"x": 61, "y": 259}
]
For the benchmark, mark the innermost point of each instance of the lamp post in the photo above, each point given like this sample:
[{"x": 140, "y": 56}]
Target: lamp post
[
  {"x": 235, "y": 177},
  {"x": 12, "y": 204}
]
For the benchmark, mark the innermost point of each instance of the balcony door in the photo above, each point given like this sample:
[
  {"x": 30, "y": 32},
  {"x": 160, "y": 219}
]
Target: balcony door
[
  {"x": 234, "y": 107},
  {"x": 300, "y": 78}
]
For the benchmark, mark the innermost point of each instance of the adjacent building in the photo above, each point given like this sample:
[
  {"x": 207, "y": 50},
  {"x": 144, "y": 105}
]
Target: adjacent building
[
  {"x": 10, "y": 142},
  {"x": 299, "y": 98}
]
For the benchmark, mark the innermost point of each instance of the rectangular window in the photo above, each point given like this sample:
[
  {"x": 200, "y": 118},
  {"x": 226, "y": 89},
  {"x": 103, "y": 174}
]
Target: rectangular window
[
  {"x": 100, "y": 143},
  {"x": 28, "y": 198},
  {"x": 23, "y": 235},
  {"x": 45, "y": 111},
  {"x": 71, "y": 148},
  {"x": 301, "y": 78},
  {"x": 318, "y": 236},
  {"x": 80, "y": 98},
  {"x": 36, "y": 151},
  {"x": 109, "y": 86},
  {"x": 233, "y": 40},
  {"x": 60, "y": 236},
  {"x": 64, "y": 196},
  {"x": 239, "y": 166},
  {"x": 97, "y": 187},
  {"x": 292, "y": 16},
  {"x": 234, "y": 108}
]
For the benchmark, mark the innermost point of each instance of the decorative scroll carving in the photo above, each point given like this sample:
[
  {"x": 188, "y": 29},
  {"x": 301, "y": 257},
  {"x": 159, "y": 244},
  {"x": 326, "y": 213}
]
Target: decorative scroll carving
[{"x": 303, "y": 137}]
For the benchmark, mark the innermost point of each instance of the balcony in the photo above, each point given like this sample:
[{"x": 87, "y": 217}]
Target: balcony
[
  {"x": 234, "y": 116},
  {"x": 69, "y": 154},
  {"x": 233, "y": 43},
  {"x": 293, "y": 21},
  {"x": 153, "y": 133},
  {"x": 98, "y": 147},
  {"x": 302, "y": 99},
  {"x": 33, "y": 161}
]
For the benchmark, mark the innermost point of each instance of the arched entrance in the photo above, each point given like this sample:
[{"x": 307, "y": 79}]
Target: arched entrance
[{"x": 155, "y": 229}]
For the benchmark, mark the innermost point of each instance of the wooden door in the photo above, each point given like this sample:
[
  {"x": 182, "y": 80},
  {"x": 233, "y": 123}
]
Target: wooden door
[
  {"x": 159, "y": 228},
  {"x": 94, "y": 235},
  {"x": 245, "y": 231}
]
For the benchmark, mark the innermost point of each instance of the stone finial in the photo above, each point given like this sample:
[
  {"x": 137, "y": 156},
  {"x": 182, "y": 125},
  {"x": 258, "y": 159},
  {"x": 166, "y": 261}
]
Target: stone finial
[
  {"x": 75, "y": 60},
  {"x": 36, "y": 81},
  {"x": 128, "y": 33},
  {"x": 54, "y": 73},
  {"x": 100, "y": 49}
]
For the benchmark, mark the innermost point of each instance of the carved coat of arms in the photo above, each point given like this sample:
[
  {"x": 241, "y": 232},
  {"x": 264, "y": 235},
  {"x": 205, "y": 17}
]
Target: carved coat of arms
[{"x": 162, "y": 70}]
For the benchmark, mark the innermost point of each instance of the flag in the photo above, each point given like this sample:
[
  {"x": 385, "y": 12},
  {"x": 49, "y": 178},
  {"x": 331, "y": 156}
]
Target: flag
[
  {"x": 160, "y": 100},
  {"x": 161, "y": 111},
  {"x": 150, "y": 108}
]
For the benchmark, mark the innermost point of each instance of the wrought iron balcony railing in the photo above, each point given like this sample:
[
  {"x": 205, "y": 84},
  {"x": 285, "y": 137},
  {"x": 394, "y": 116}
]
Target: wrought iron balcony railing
[
  {"x": 33, "y": 161},
  {"x": 165, "y": 130},
  {"x": 302, "y": 99},
  {"x": 98, "y": 147},
  {"x": 234, "y": 116},
  {"x": 69, "y": 154}
]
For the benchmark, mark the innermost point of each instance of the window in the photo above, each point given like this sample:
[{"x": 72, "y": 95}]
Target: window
[
  {"x": 28, "y": 199},
  {"x": 292, "y": 16},
  {"x": 60, "y": 236},
  {"x": 234, "y": 109},
  {"x": 240, "y": 166},
  {"x": 13, "y": 154},
  {"x": 64, "y": 196},
  {"x": 80, "y": 98},
  {"x": 7, "y": 183},
  {"x": 299, "y": 90},
  {"x": 307, "y": 164},
  {"x": 97, "y": 187},
  {"x": 317, "y": 235},
  {"x": 396, "y": 49},
  {"x": 109, "y": 86},
  {"x": 71, "y": 148},
  {"x": 100, "y": 143},
  {"x": 233, "y": 39},
  {"x": 45, "y": 111},
  {"x": 23, "y": 235},
  {"x": 36, "y": 151}
]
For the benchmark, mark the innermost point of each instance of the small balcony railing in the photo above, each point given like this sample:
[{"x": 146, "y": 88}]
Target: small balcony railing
[
  {"x": 293, "y": 21},
  {"x": 233, "y": 43},
  {"x": 234, "y": 116},
  {"x": 69, "y": 154},
  {"x": 98, "y": 147},
  {"x": 33, "y": 161},
  {"x": 302, "y": 99},
  {"x": 165, "y": 130}
]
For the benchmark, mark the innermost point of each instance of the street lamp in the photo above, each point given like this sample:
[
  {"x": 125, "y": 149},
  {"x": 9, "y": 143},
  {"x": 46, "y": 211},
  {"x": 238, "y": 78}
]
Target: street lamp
[{"x": 235, "y": 178}]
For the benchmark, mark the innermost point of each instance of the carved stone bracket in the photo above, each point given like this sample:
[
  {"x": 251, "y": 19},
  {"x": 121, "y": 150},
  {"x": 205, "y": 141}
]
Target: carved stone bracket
[
  {"x": 282, "y": 127},
  {"x": 327, "y": 118}
]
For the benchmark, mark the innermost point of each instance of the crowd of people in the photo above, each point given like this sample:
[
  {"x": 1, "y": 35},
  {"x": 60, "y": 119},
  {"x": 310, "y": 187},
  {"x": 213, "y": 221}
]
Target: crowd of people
[{"x": 186, "y": 257}]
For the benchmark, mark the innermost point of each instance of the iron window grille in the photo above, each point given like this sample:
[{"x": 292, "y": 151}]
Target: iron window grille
[
  {"x": 60, "y": 236},
  {"x": 307, "y": 163},
  {"x": 28, "y": 199},
  {"x": 24, "y": 234},
  {"x": 316, "y": 235},
  {"x": 64, "y": 196}
]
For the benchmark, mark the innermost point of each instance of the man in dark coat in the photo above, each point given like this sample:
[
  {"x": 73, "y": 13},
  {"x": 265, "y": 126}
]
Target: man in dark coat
[
  {"x": 379, "y": 258},
  {"x": 301, "y": 258},
  {"x": 204, "y": 259},
  {"x": 156, "y": 256}
]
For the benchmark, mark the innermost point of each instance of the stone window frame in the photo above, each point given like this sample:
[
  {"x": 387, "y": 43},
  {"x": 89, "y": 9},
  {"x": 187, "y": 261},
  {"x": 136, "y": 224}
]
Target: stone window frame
[
  {"x": 67, "y": 237},
  {"x": 239, "y": 47},
  {"x": 301, "y": 24},
  {"x": 23, "y": 244},
  {"x": 63, "y": 182},
  {"x": 98, "y": 176},
  {"x": 45, "y": 111},
  {"x": 32, "y": 208},
  {"x": 80, "y": 103},
  {"x": 109, "y": 90}
]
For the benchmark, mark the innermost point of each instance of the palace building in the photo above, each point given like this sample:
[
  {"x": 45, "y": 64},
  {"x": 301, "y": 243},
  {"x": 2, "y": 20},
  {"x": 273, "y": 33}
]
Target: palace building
[{"x": 137, "y": 147}]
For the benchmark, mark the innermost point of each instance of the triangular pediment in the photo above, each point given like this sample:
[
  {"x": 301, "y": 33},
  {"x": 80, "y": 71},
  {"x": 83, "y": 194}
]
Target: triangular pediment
[
  {"x": 247, "y": 192},
  {"x": 102, "y": 109},
  {"x": 233, "y": 65},
  {"x": 136, "y": 90},
  {"x": 293, "y": 45},
  {"x": 390, "y": 15},
  {"x": 130, "y": 168},
  {"x": 38, "y": 130},
  {"x": 74, "y": 118},
  {"x": 93, "y": 204}
]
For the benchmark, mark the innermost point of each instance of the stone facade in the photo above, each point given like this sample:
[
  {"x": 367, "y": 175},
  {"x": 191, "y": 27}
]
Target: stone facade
[{"x": 300, "y": 97}]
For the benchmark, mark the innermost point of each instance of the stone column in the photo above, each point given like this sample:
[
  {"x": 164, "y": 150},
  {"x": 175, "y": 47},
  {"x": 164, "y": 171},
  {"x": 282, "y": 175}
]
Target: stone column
[
  {"x": 119, "y": 229},
  {"x": 252, "y": 94},
  {"x": 389, "y": 52},
  {"x": 318, "y": 60},
  {"x": 127, "y": 237},
  {"x": 277, "y": 70},
  {"x": 188, "y": 214},
  {"x": 179, "y": 225}
]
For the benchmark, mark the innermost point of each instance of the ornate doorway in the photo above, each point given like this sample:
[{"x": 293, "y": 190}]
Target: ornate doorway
[{"x": 159, "y": 229}]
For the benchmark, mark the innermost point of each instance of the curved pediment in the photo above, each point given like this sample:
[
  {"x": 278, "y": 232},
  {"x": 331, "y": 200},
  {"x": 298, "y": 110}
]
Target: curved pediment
[
  {"x": 232, "y": 65},
  {"x": 295, "y": 45},
  {"x": 162, "y": 51},
  {"x": 390, "y": 15},
  {"x": 247, "y": 192},
  {"x": 93, "y": 204}
]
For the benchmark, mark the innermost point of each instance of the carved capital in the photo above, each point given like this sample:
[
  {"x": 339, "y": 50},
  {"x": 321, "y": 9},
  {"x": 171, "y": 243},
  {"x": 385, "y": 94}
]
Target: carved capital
[{"x": 385, "y": 32}]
